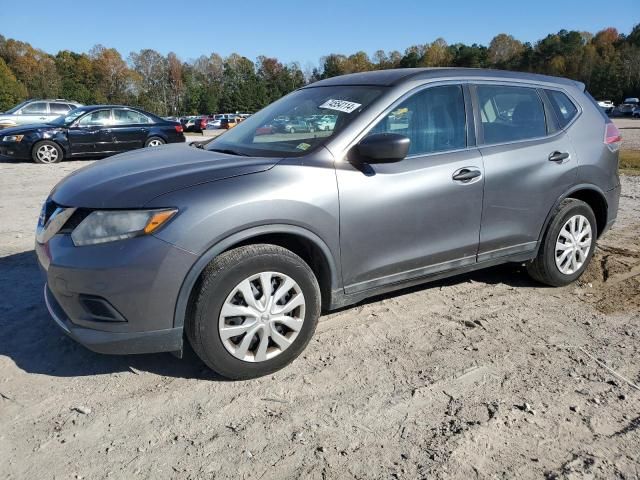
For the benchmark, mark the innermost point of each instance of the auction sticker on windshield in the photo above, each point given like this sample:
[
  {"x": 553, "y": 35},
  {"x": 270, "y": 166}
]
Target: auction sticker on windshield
[{"x": 340, "y": 105}]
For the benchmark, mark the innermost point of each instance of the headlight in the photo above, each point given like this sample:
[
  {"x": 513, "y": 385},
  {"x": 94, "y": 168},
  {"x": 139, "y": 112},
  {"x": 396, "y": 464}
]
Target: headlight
[
  {"x": 109, "y": 225},
  {"x": 12, "y": 138}
]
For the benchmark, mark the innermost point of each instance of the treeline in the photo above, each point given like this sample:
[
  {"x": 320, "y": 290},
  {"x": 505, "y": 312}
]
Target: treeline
[{"x": 607, "y": 62}]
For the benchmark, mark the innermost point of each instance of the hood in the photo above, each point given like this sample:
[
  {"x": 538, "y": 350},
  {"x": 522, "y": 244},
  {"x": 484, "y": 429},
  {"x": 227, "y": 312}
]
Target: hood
[
  {"x": 23, "y": 129},
  {"x": 131, "y": 180}
]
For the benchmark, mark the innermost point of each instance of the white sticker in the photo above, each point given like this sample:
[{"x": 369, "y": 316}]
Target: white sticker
[{"x": 340, "y": 105}]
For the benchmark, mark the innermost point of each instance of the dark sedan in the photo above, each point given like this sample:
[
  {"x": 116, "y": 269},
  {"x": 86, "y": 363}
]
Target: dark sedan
[{"x": 93, "y": 131}]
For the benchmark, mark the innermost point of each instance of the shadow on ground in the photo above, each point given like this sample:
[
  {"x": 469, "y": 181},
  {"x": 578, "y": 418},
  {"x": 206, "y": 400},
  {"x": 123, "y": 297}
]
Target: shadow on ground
[{"x": 31, "y": 339}]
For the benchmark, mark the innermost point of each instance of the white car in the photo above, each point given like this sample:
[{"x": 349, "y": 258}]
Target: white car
[{"x": 606, "y": 104}]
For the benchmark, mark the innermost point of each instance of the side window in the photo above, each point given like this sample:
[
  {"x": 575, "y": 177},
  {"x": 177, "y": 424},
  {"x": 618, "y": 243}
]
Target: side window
[
  {"x": 37, "y": 108},
  {"x": 564, "y": 108},
  {"x": 509, "y": 114},
  {"x": 97, "y": 118},
  {"x": 433, "y": 119},
  {"x": 58, "y": 108},
  {"x": 128, "y": 117}
]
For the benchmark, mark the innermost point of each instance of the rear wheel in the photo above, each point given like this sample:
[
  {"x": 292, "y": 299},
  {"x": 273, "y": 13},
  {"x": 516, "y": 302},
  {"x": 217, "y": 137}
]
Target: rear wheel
[
  {"x": 154, "y": 142},
  {"x": 567, "y": 246},
  {"x": 46, "y": 151},
  {"x": 255, "y": 312}
]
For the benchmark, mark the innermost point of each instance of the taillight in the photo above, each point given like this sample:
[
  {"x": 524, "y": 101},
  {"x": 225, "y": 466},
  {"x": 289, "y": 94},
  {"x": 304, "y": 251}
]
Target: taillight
[
  {"x": 611, "y": 134},
  {"x": 179, "y": 128}
]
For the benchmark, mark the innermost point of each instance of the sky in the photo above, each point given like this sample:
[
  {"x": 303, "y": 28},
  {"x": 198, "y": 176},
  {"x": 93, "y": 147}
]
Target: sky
[{"x": 298, "y": 30}]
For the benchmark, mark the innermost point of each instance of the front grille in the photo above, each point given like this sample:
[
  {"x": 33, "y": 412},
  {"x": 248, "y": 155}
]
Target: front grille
[{"x": 78, "y": 216}]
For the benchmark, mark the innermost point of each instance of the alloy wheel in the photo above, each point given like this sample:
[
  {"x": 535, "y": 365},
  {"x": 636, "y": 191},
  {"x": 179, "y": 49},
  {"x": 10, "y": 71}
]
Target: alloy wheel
[
  {"x": 154, "y": 143},
  {"x": 262, "y": 316},
  {"x": 573, "y": 244},
  {"x": 47, "y": 154}
]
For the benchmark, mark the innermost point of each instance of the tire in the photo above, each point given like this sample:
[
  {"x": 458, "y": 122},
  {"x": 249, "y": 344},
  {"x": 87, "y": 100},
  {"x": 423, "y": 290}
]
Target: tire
[
  {"x": 220, "y": 287},
  {"x": 544, "y": 268},
  {"x": 154, "y": 142},
  {"x": 47, "y": 151}
]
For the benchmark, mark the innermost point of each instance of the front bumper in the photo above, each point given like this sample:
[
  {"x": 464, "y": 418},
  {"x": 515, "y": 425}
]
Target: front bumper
[
  {"x": 119, "y": 343},
  {"x": 17, "y": 150},
  {"x": 118, "y": 297}
]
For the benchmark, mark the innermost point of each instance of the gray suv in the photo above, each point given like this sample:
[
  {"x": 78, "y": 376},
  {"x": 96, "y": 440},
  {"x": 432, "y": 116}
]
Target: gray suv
[
  {"x": 242, "y": 243},
  {"x": 36, "y": 111}
]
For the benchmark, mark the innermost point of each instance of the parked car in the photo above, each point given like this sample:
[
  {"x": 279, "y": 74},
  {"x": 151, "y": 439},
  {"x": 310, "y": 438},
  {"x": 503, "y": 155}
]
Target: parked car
[
  {"x": 296, "y": 125},
  {"x": 229, "y": 122},
  {"x": 196, "y": 125},
  {"x": 627, "y": 107},
  {"x": 241, "y": 243},
  {"x": 266, "y": 130},
  {"x": 606, "y": 105},
  {"x": 326, "y": 122},
  {"x": 97, "y": 130},
  {"x": 214, "y": 123},
  {"x": 636, "y": 112},
  {"x": 36, "y": 111}
]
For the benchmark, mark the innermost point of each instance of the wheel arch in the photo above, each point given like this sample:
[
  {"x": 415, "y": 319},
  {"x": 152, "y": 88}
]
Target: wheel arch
[
  {"x": 306, "y": 244},
  {"x": 592, "y": 196}
]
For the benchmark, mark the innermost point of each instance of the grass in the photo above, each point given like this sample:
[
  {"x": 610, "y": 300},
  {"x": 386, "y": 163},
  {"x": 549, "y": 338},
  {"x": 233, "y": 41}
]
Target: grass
[{"x": 630, "y": 162}]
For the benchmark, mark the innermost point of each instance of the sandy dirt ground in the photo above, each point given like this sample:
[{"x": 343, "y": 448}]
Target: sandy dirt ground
[{"x": 487, "y": 375}]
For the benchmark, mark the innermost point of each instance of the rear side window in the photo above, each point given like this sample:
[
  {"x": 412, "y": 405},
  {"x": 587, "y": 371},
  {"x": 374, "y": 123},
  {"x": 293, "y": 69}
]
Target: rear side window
[
  {"x": 433, "y": 119},
  {"x": 128, "y": 117},
  {"x": 510, "y": 114},
  {"x": 59, "y": 108},
  {"x": 564, "y": 108}
]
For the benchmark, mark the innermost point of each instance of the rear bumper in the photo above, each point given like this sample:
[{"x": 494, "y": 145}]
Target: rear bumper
[
  {"x": 613, "y": 200},
  {"x": 169, "y": 340}
]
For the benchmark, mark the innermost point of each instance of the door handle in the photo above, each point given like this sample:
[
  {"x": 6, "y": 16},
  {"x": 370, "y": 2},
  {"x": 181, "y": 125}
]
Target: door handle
[
  {"x": 466, "y": 174},
  {"x": 558, "y": 156}
]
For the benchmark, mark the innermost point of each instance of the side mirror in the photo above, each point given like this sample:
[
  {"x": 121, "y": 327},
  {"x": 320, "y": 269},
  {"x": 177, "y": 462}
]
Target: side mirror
[{"x": 384, "y": 147}]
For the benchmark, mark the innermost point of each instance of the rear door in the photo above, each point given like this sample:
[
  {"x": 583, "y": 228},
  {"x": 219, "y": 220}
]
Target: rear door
[
  {"x": 57, "y": 109},
  {"x": 92, "y": 134},
  {"x": 529, "y": 163},
  {"x": 130, "y": 129}
]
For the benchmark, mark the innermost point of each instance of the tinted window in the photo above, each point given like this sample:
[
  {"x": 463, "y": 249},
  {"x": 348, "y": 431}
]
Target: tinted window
[
  {"x": 35, "y": 108},
  {"x": 564, "y": 108},
  {"x": 59, "y": 108},
  {"x": 510, "y": 113},
  {"x": 99, "y": 117},
  {"x": 434, "y": 119},
  {"x": 126, "y": 117}
]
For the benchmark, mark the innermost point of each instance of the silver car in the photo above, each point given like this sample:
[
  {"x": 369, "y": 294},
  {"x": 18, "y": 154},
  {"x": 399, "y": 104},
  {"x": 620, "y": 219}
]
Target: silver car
[
  {"x": 240, "y": 244},
  {"x": 36, "y": 111}
]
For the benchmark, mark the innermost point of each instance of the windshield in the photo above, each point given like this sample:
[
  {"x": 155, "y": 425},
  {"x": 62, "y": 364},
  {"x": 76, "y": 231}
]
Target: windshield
[
  {"x": 69, "y": 118},
  {"x": 17, "y": 107},
  {"x": 298, "y": 122}
]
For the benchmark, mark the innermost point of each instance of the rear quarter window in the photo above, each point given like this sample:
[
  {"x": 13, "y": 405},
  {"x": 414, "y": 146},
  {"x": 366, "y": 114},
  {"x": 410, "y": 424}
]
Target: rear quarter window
[{"x": 563, "y": 107}]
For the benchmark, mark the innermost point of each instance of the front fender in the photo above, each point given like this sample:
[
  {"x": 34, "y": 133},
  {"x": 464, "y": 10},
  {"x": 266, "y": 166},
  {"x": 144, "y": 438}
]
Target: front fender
[{"x": 194, "y": 273}]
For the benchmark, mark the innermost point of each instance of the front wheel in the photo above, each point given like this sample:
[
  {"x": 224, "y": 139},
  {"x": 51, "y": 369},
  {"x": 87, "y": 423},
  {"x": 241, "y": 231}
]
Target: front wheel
[
  {"x": 46, "y": 151},
  {"x": 255, "y": 312},
  {"x": 567, "y": 246},
  {"x": 154, "y": 142}
]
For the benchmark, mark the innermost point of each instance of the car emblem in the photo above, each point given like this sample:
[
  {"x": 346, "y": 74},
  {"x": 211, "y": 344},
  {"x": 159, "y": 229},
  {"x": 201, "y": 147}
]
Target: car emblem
[{"x": 58, "y": 218}]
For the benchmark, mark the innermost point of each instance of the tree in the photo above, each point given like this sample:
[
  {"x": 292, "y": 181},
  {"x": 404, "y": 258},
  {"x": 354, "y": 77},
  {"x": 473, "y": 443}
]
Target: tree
[
  {"x": 503, "y": 50},
  {"x": 12, "y": 91}
]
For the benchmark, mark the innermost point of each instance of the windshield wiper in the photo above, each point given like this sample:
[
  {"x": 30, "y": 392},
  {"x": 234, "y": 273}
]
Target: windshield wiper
[{"x": 228, "y": 151}]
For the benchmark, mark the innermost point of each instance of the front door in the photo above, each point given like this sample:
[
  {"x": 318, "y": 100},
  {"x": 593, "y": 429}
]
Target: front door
[
  {"x": 92, "y": 134},
  {"x": 412, "y": 218}
]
